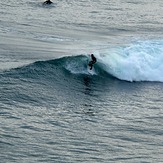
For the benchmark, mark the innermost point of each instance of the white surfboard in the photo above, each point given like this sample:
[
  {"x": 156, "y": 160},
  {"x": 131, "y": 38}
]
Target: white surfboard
[{"x": 92, "y": 71}]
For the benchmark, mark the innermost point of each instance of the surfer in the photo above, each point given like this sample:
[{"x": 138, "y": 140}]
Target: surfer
[
  {"x": 92, "y": 62},
  {"x": 47, "y": 2}
]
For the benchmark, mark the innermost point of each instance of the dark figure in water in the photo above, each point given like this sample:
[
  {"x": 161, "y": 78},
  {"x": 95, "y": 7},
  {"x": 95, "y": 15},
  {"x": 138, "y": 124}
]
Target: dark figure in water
[
  {"x": 47, "y": 2},
  {"x": 92, "y": 62}
]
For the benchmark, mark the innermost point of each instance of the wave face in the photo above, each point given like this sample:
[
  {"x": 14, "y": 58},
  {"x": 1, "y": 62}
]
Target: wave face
[{"x": 69, "y": 65}]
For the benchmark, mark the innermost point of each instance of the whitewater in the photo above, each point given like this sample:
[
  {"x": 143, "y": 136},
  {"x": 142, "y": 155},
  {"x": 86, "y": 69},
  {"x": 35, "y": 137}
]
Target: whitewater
[{"x": 53, "y": 109}]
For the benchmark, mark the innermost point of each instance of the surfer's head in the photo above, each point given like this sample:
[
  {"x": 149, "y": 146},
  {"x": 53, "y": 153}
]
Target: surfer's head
[
  {"x": 92, "y": 55},
  {"x": 48, "y": 2}
]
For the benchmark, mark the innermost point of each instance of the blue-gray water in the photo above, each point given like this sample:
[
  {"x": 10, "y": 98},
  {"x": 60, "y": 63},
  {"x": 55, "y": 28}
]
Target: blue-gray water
[{"x": 52, "y": 109}]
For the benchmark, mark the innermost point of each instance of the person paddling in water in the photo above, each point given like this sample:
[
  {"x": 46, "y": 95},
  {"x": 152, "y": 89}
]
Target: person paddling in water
[
  {"x": 47, "y": 2},
  {"x": 92, "y": 62}
]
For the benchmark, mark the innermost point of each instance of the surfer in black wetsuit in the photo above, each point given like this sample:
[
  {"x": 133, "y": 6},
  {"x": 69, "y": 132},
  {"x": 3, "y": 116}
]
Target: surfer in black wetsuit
[
  {"x": 92, "y": 62},
  {"x": 47, "y": 2}
]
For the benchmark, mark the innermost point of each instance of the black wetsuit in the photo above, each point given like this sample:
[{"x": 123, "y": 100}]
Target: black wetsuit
[
  {"x": 48, "y": 2},
  {"x": 94, "y": 60}
]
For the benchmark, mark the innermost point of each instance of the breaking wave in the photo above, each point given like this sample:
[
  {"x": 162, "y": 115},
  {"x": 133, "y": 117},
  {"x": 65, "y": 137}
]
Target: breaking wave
[{"x": 140, "y": 61}]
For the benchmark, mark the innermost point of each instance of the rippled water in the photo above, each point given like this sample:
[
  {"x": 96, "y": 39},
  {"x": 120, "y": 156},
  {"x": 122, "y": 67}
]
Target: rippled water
[{"x": 52, "y": 109}]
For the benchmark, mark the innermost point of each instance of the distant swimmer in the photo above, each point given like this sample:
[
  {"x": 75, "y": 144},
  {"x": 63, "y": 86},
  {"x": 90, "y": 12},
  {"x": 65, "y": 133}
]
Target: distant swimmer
[
  {"x": 47, "y": 2},
  {"x": 92, "y": 62}
]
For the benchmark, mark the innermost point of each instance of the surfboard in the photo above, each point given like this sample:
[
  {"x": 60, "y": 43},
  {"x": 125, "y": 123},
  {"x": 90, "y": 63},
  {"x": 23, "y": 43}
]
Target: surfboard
[{"x": 92, "y": 71}]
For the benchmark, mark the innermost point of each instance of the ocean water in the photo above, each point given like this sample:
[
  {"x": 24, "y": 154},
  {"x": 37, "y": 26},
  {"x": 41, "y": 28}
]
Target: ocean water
[{"x": 53, "y": 109}]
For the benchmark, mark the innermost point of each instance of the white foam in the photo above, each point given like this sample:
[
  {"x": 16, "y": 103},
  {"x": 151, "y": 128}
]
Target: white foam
[{"x": 140, "y": 61}]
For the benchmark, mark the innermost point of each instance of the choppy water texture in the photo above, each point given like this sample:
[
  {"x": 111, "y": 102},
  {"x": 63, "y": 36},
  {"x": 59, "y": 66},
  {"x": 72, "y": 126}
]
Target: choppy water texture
[{"x": 52, "y": 109}]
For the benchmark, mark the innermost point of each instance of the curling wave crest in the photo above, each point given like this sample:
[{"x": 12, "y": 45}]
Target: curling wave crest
[{"x": 140, "y": 61}]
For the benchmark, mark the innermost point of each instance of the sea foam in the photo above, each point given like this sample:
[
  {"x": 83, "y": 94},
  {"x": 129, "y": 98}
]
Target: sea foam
[{"x": 140, "y": 61}]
